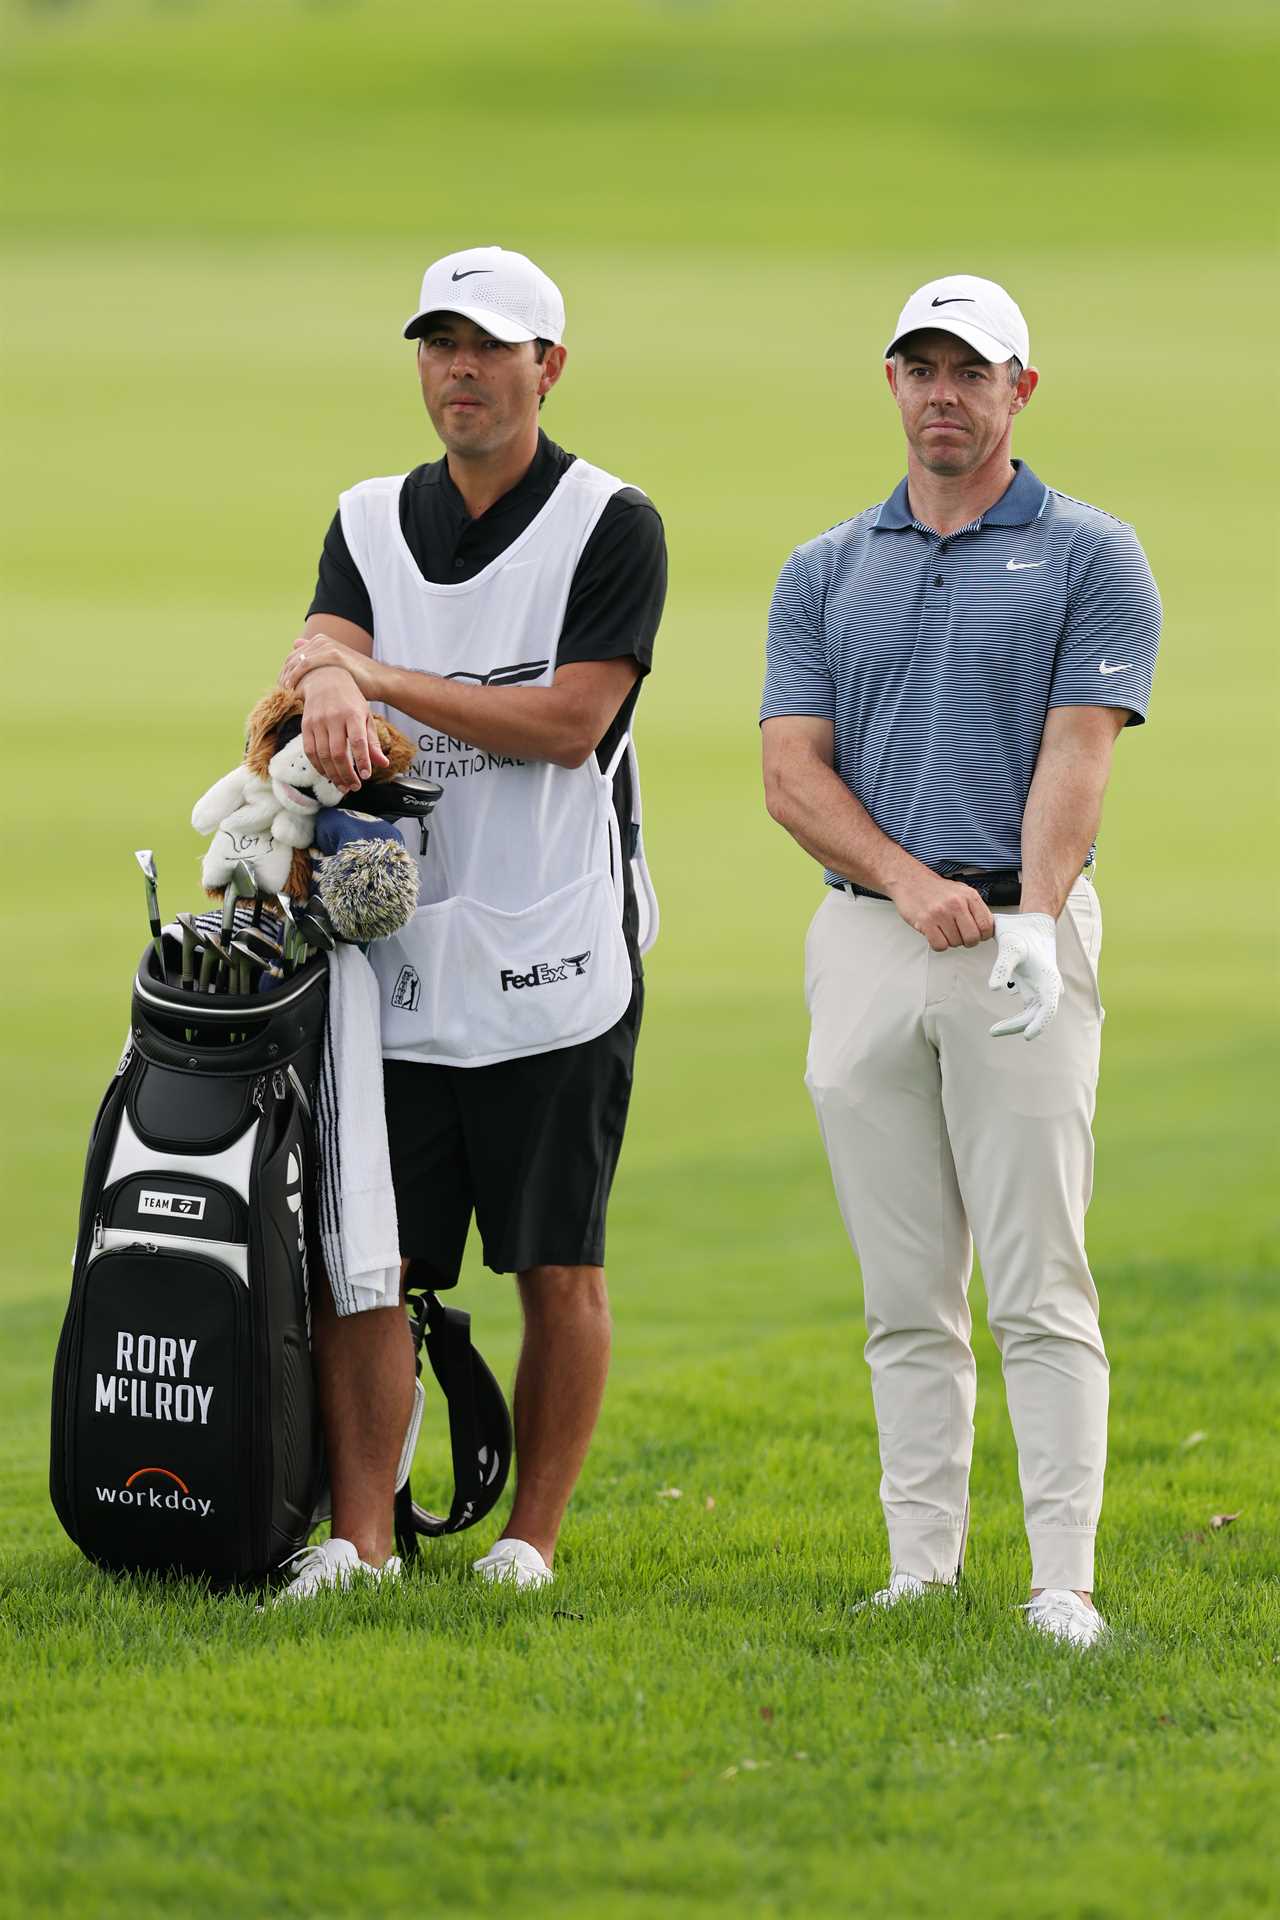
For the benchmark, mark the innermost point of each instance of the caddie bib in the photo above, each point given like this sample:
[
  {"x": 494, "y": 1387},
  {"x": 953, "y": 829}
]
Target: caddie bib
[{"x": 517, "y": 944}]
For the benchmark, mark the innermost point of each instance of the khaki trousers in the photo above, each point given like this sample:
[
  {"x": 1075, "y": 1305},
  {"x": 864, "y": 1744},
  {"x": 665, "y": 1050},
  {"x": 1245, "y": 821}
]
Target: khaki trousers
[{"x": 939, "y": 1137}]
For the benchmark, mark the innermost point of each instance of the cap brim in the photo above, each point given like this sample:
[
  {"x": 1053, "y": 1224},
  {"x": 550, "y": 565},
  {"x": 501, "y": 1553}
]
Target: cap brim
[
  {"x": 498, "y": 324},
  {"x": 984, "y": 343}
]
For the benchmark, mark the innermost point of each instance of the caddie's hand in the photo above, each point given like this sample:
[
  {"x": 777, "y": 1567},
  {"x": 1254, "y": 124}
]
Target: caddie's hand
[
  {"x": 1027, "y": 958},
  {"x": 338, "y": 733},
  {"x": 947, "y": 912},
  {"x": 312, "y": 651}
]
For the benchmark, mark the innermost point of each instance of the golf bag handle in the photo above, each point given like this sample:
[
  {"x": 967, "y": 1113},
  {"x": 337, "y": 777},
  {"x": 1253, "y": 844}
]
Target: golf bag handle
[{"x": 480, "y": 1435}]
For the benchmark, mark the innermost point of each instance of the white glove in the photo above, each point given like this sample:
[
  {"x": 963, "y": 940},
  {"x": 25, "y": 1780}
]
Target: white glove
[{"x": 1026, "y": 958}]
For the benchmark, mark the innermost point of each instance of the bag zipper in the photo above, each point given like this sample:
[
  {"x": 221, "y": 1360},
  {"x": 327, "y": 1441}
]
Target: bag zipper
[{"x": 233, "y": 1254}]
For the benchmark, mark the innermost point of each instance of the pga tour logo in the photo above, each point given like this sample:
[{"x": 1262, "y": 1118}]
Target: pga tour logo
[
  {"x": 176, "y": 1497},
  {"x": 544, "y": 973},
  {"x": 186, "y": 1206},
  {"x": 407, "y": 990}
]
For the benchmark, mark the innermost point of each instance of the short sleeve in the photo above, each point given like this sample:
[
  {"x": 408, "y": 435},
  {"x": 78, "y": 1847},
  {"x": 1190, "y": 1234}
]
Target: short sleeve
[
  {"x": 1107, "y": 654},
  {"x": 340, "y": 587},
  {"x": 619, "y": 586},
  {"x": 797, "y": 677}
]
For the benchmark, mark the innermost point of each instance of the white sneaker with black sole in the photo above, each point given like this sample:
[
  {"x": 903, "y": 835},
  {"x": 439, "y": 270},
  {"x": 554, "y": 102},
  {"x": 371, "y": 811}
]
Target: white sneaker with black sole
[
  {"x": 1061, "y": 1614},
  {"x": 332, "y": 1564},
  {"x": 514, "y": 1562}
]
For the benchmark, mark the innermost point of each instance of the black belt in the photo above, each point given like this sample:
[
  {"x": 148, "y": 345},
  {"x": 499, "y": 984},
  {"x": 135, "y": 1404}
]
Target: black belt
[{"x": 1003, "y": 888}]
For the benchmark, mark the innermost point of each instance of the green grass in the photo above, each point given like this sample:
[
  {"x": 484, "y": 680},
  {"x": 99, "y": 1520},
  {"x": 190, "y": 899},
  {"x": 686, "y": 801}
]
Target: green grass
[{"x": 213, "y": 218}]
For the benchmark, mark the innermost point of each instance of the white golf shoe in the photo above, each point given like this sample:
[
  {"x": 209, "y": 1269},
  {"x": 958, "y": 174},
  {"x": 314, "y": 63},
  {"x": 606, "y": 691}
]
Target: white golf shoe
[
  {"x": 902, "y": 1586},
  {"x": 1063, "y": 1615},
  {"x": 334, "y": 1563},
  {"x": 514, "y": 1561}
]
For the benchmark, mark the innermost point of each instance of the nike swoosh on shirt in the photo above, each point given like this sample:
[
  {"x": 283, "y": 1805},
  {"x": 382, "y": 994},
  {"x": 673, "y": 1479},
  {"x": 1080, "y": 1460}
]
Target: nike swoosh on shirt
[
  {"x": 1123, "y": 668},
  {"x": 1023, "y": 566}
]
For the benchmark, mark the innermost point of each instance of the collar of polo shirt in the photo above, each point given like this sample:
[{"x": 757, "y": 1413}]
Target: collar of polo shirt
[{"x": 1021, "y": 502}]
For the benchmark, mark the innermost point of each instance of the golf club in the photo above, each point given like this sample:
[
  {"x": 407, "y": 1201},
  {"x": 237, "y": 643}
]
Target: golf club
[
  {"x": 146, "y": 861},
  {"x": 216, "y": 957},
  {"x": 247, "y": 882},
  {"x": 265, "y": 944},
  {"x": 250, "y": 965},
  {"x": 316, "y": 927},
  {"x": 289, "y": 931},
  {"x": 191, "y": 938}
]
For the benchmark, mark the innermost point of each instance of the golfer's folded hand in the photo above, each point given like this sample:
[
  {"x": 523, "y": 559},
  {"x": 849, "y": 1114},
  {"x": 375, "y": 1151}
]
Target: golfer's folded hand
[{"x": 1026, "y": 958}]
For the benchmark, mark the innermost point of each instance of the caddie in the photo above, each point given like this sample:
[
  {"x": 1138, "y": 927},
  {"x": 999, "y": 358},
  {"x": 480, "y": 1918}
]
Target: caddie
[
  {"x": 500, "y": 604},
  {"x": 948, "y": 672}
]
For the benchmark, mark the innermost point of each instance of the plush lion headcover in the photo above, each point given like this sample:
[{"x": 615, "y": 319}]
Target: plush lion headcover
[
  {"x": 268, "y": 722},
  {"x": 263, "y": 811}
]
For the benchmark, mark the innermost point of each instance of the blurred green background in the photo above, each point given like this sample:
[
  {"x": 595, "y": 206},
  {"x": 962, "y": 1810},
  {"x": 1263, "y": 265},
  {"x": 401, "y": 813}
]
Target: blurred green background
[{"x": 213, "y": 219}]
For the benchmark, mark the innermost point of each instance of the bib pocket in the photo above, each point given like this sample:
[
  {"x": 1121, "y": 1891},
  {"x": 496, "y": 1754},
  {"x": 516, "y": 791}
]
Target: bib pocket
[{"x": 466, "y": 984}]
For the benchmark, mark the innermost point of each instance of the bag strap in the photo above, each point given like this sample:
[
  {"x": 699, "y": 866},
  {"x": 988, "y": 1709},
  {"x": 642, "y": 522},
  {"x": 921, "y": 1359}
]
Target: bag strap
[{"x": 481, "y": 1454}]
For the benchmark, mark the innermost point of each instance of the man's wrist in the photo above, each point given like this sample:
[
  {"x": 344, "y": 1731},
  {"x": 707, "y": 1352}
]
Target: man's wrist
[
  {"x": 316, "y": 678},
  {"x": 900, "y": 869}
]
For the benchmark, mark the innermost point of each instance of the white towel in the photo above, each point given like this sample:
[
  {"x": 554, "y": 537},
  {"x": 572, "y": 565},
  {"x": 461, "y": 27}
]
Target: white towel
[{"x": 359, "y": 1232}]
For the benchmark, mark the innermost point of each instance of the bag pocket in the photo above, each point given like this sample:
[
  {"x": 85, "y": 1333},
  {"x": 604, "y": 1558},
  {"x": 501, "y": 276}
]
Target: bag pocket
[
  {"x": 184, "y": 1207},
  {"x": 156, "y": 1431},
  {"x": 467, "y": 984}
]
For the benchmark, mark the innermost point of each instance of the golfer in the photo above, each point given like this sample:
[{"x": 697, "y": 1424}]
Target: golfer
[
  {"x": 500, "y": 605},
  {"x": 948, "y": 672}
]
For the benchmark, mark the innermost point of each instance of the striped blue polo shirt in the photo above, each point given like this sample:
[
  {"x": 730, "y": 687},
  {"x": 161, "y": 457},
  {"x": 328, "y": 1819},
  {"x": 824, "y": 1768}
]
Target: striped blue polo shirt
[{"x": 937, "y": 657}]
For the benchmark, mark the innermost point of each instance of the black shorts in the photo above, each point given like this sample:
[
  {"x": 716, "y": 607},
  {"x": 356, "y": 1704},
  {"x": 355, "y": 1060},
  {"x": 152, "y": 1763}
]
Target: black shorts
[{"x": 529, "y": 1145}]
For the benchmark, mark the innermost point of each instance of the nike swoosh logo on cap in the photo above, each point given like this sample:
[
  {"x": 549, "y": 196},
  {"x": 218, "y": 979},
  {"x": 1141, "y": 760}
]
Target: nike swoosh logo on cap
[
  {"x": 1123, "y": 668},
  {"x": 1023, "y": 566},
  {"x": 953, "y": 300},
  {"x": 468, "y": 271}
]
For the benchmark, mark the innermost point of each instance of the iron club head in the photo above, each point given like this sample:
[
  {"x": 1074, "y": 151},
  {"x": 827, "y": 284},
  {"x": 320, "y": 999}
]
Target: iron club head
[
  {"x": 218, "y": 955},
  {"x": 191, "y": 938},
  {"x": 290, "y": 930},
  {"x": 262, "y": 943},
  {"x": 230, "y": 894},
  {"x": 146, "y": 860},
  {"x": 316, "y": 927},
  {"x": 249, "y": 964},
  {"x": 247, "y": 882}
]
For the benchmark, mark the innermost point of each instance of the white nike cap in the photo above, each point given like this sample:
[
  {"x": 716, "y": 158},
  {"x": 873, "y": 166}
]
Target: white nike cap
[
  {"x": 502, "y": 292},
  {"x": 977, "y": 311}
]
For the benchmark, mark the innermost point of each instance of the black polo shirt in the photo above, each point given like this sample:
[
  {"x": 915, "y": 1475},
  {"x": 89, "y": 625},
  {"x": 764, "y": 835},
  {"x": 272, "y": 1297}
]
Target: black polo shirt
[{"x": 618, "y": 587}]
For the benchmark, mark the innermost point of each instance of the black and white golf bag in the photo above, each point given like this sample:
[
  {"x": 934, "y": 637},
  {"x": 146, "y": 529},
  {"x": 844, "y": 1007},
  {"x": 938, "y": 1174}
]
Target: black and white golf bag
[
  {"x": 185, "y": 1427},
  {"x": 186, "y": 1434}
]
